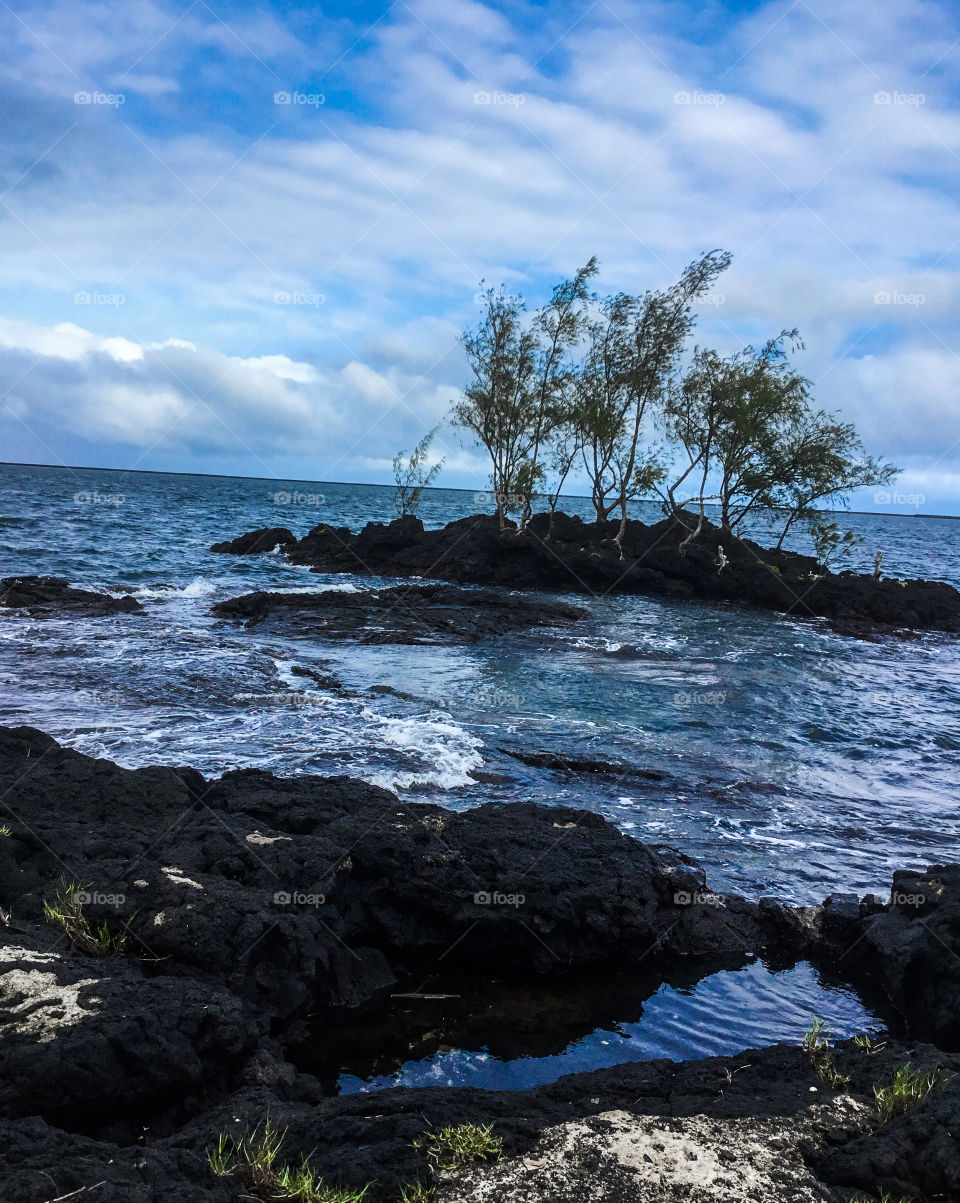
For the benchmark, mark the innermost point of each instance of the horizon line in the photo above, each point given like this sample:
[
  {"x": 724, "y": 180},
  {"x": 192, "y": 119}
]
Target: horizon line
[{"x": 365, "y": 484}]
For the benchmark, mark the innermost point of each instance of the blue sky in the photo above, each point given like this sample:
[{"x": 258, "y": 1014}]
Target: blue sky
[{"x": 199, "y": 276}]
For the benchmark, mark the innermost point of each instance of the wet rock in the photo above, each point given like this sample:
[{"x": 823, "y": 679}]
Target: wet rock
[
  {"x": 405, "y": 614},
  {"x": 256, "y": 542},
  {"x": 50, "y": 596},
  {"x": 583, "y": 557}
]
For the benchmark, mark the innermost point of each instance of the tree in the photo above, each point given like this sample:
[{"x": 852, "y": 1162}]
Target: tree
[
  {"x": 822, "y": 459},
  {"x": 499, "y": 403},
  {"x": 413, "y": 475},
  {"x": 733, "y": 417},
  {"x": 635, "y": 345},
  {"x": 557, "y": 327}
]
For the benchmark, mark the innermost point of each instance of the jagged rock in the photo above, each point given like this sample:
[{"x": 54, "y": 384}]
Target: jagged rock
[
  {"x": 268, "y": 538},
  {"x": 49, "y": 596},
  {"x": 405, "y": 614},
  {"x": 583, "y": 557}
]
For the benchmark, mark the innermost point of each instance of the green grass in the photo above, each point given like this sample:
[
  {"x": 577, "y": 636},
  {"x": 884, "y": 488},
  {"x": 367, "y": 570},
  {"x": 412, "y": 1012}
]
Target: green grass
[
  {"x": 884, "y": 1198},
  {"x": 254, "y": 1162},
  {"x": 866, "y": 1045},
  {"x": 454, "y": 1147},
  {"x": 5, "y": 831},
  {"x": 417, "y": 1192},
  {"x": 816, "y": 1044},
  {"x": 66, "y": 913},
  {"x": 908, "y": 1087}
]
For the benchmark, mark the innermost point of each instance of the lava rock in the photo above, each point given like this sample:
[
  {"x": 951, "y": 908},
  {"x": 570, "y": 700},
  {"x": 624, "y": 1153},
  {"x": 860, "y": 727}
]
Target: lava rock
[
  {"x": 406, "y": 614},
  {"x": 268, "y": 538},
  {"x": 583, "y": 557},
  {"x": 50, "y": 596}
]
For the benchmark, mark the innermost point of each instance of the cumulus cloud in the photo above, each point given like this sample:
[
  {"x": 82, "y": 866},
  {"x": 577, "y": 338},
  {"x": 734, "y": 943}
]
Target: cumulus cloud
[{"x": 440, "y": 144}]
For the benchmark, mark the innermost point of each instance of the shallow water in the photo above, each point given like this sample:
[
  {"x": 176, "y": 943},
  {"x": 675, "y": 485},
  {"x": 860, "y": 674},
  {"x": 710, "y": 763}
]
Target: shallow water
[
  {"x": 516, "y": 1038},
  {"x": 793, "y": 761}
]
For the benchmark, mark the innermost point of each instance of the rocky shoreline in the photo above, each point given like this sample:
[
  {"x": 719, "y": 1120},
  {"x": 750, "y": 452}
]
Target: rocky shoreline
[
  {"x": 168, "y": 939},
  {"x": 582, "y": 557}
]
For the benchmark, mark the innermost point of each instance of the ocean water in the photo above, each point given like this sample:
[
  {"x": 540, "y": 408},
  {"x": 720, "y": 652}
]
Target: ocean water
[
  {"x": 786, "y": 759},
  {"x": 795, "y": 761}
]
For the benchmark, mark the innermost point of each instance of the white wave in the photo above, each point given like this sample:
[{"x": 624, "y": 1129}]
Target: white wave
[
  {"x": 451, "y": 752},
  {"x": 198, "y": 587}
]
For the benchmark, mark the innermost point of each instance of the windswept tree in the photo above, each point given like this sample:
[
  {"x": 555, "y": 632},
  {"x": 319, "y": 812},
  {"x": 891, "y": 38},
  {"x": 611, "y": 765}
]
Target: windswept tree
[
  {"x": 499, "y": 404},
  {"x": 635, "y": 347},
  {"x": 523, "y": 385},
  {"x": 732, "y": 417},
  {"x": 557, "y": 328},
  {"x": 823, "y": 461},
  {"x": 413, "y": 474}
]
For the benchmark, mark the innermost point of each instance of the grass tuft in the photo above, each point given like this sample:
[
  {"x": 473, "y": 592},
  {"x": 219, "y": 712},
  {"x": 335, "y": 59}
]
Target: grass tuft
[
  {"x": 5, "y": 831},
  {"x": 454, "y": 1147},
  {"x": 417, "y": 1192},
  {"x": 816, "y": 1044},
  {"x": 66, "y": 913},
  {"x": 253, "y": 1162},
  {"x": 866, "y": 1045},
  {"x": 908, "y": 1087}
]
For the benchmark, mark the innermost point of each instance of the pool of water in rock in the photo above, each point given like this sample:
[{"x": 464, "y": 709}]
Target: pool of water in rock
[{"x": 442, "y": 1032}]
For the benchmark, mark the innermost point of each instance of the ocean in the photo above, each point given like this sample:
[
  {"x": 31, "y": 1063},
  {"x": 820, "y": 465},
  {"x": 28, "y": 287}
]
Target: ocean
[{"x": 789, "y": 760}]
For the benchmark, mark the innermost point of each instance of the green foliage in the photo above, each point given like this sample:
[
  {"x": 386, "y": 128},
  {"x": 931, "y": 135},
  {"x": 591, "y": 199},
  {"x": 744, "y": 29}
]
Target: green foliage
[
  {"x": 816, "y": 1044},
  {"x": 417, "y": 1192},
  {"x": 412, "y": 475},
  {"x": 907, "y": 1088},
  {"x": 866, "y": 1045},
  {"x": 829, "y": 544},
  {"x": 5, "y": 831},
  {"x": 253, "y": 1162},
  {"x": 598, "y": 380},
  {"x": 883, "y": 1198},
  {"x": 454, "y": 1147},
  {"x": 66, "y": 913}
]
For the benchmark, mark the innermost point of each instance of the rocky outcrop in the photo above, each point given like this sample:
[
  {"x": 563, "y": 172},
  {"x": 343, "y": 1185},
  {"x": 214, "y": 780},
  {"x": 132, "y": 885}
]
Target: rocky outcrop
[
  {"x": 583, "y": 557},
  {"x": 50, "y": 596},
  {"x": 249, "y": 901},
  {"x": 268, "y": 538},
  {"x": 405, "y": 614}
]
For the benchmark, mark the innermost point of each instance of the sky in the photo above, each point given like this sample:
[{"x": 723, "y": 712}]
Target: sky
[{"x": 245, "y": 238}]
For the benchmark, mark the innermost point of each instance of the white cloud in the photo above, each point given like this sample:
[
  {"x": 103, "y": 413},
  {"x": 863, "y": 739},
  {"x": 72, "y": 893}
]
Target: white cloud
[{"x": 394, "y": 211}]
